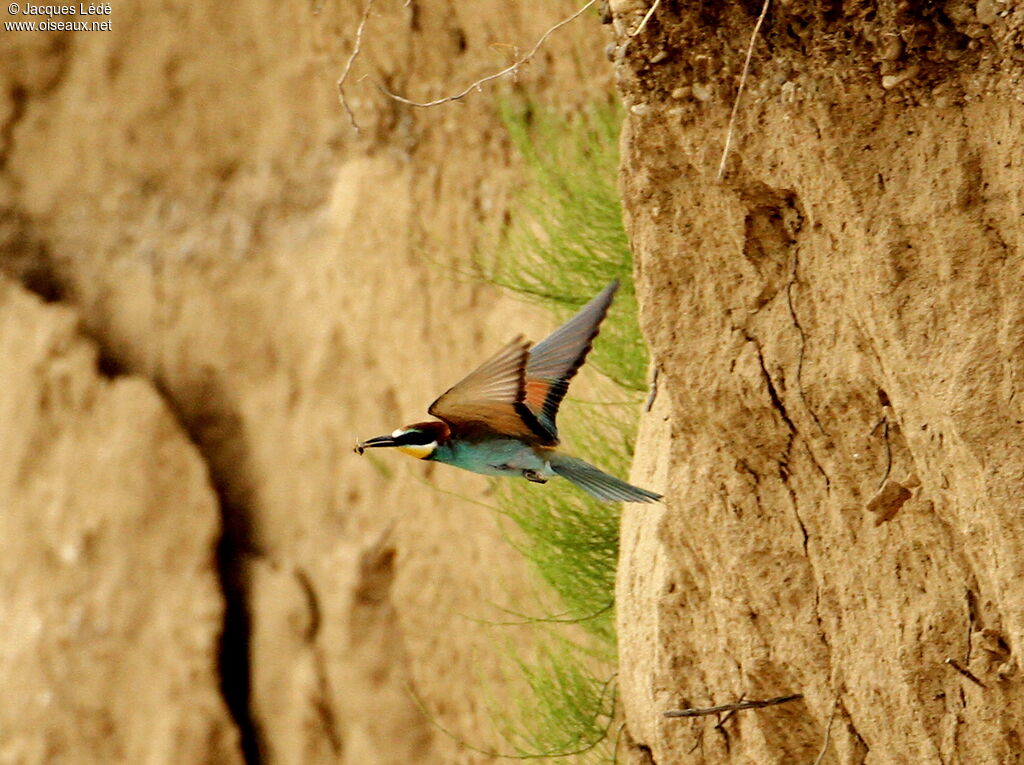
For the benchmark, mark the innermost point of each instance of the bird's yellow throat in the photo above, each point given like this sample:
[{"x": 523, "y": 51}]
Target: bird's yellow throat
[{"x": 419, "y": 451}]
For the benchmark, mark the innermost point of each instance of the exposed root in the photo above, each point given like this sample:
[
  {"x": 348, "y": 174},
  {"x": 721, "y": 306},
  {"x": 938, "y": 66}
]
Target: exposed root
[
  {"x": 739, "y": 90},
  {"x": 646, "y": 18},
  {"x": 828, "y": 733},
  {"x": 356, "y": 50}
]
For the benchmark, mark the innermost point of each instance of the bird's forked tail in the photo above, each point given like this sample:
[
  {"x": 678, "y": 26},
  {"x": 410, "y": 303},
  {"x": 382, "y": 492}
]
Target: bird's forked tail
[{"x": 598, "y": 483}]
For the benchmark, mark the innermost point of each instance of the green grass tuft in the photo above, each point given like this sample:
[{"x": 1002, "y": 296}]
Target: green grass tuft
[
  {"x": 571, "y": 538},
  {"x": 571, "y": 711},
  {"x": 565, "y": 242}
]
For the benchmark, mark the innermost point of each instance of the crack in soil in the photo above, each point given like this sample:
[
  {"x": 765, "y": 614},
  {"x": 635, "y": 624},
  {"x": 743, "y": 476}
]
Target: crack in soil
[
  {"x": 784, "y": 476},
  {"x": 793, "y": 278},
  {"x": 780, "y": 407},
  {"x": 862, "y": 746}
]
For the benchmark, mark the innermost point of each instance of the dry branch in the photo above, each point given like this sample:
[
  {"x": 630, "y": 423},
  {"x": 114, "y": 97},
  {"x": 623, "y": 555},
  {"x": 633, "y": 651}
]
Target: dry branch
[
  {"x": 737, "y": 706},
  {"x": 514, "y": 68}
]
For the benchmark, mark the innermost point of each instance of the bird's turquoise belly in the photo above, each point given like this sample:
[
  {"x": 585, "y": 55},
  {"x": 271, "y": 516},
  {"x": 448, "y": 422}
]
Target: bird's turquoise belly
[{"x": 496, "y": 457}]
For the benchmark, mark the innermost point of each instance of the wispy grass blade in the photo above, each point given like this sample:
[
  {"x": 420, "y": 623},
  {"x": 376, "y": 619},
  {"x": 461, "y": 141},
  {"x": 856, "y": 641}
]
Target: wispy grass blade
[
  {"x": 571, "y": 709},
  {"x": 564, "y": 243},
  {"x": 566, "y": 239}
]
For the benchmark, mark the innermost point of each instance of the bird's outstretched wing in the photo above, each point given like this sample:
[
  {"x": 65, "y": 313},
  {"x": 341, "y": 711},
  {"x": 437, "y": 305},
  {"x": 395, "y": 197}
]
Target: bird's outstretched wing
[
  {"x": 555, "y": 360},
  {"x": 517, "y": 391},
  {"x": 489, "y": 400}
]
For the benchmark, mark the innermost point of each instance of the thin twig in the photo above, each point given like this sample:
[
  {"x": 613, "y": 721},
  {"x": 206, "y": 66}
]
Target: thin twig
[
  {"x": 970, "y": 627},
  {"x": 828, "y": 732},
  {"x": 564, "y": 618},
  {"x": 739, "y": 90},
  {"x": 348, "y": 65},
  {"x": 497, "y": 75},
  {"x": 728, "y": 716},
  {"x": 734, "y": 707},
  {"x": 646, "y": 18},
  {"x": 888, "y": 450},
  {"x": 965, "y": 672},
  {"x": 618, "y": 739}
]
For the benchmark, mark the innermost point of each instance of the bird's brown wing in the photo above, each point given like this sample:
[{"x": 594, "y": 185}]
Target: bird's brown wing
[
  {"x": 554, "y": 361},
  {"x": 489, "y": 400}
]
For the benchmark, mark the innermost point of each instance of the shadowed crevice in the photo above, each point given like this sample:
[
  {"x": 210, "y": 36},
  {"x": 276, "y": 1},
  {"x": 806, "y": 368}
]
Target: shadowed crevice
[
  {"x": 233, "y": 650},
  {"x": 26, "y": 257},
  {"x": 214, "y": 426},
  {"x": 216, "y": 433}
]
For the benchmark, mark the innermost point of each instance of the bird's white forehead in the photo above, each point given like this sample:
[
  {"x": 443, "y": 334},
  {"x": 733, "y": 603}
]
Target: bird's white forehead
[{"x": 397, "y": 433}]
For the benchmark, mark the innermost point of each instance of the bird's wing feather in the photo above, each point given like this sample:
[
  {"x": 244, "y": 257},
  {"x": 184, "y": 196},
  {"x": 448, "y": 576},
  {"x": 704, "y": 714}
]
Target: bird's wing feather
[
  {"x": 490, "y": 398},
  {"x": 555, "y": 360}
]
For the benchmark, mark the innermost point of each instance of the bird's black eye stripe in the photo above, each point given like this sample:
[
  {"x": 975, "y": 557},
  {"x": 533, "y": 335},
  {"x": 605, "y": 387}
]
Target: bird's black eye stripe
[{"x": 414, "y": 437}]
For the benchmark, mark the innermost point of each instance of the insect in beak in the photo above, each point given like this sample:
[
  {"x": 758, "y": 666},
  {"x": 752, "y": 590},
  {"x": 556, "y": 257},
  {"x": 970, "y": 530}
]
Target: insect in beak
[{"x": 362, "y": 446}]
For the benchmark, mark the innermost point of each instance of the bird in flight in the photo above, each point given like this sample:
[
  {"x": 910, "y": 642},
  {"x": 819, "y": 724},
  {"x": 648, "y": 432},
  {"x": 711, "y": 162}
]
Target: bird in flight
[{"x": 500, "y": 418}]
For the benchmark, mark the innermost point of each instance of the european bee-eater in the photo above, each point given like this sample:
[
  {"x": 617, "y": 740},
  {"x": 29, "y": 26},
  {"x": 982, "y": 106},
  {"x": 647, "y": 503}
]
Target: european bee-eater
[{"x": 500, "y": 419}]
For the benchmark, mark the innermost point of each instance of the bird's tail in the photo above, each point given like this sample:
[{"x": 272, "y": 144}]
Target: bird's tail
[{"x": 597, "y": 483}]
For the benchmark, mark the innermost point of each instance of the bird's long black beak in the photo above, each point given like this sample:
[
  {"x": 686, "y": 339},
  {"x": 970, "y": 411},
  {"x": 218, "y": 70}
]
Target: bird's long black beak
[{"x": 374, "y": 443}]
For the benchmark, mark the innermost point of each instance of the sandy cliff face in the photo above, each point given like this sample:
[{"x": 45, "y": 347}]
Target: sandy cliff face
[{"x": 843, "y": 313}]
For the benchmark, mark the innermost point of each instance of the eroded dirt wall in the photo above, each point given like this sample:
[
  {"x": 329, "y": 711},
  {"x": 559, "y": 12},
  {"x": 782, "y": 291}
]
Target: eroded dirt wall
[
  {"x": 844, "y": 311},
  {"x": 106, "y": 658}
]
